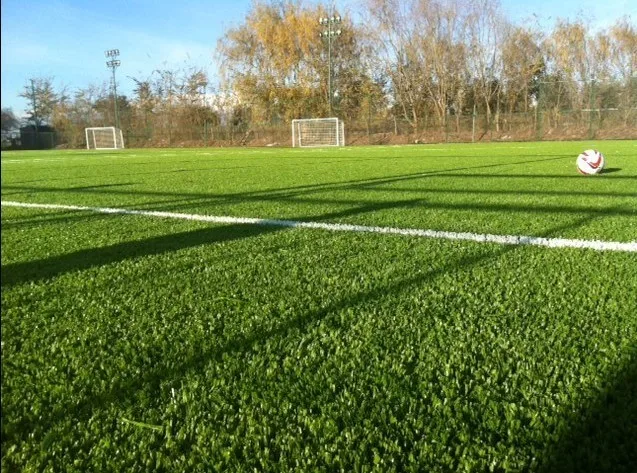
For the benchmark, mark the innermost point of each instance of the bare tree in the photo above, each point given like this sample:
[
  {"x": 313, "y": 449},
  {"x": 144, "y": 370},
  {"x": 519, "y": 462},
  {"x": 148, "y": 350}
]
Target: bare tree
[
  {"x": 623, "y": 57},
  {"x": 487, "y": 27},
  {"x": 165, "y": 88},
  {"x": 523, "y": 62},
  {"x": 623, "y": 65},
  {"x": 395, "y": 30},
  {"x": 444, "y": 39}
]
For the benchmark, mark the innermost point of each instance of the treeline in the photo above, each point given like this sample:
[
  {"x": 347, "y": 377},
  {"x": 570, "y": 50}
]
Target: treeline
[
  {"x": 414, "y": 66},
  {"x": 164, "y": 107}
]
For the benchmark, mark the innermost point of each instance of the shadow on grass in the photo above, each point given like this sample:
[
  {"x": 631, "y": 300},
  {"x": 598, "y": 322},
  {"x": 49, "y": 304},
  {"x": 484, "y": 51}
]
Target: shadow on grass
[
  {"x": 300, "y": 194},
  {"x": 604, "y": 438},
  {"x": 505, "y": 192},
  {"x": 55, "y": 217},
  {"x": 602, "y": 442},
  {"x": 47, "y": 268},
  {"x": 126, "y": 388},
  {"x": 294, "y": 190},
  {"x": 95, "y": 188},
  {"x": 159, "y": 374},
  {"x": 302, "y": 161},
  {"x": 43, "y": 269},
  {"x": 51, "y": 218}
]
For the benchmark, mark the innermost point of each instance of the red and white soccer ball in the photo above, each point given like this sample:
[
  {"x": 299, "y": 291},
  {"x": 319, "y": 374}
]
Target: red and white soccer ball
[{"x": 590, "y": 162}]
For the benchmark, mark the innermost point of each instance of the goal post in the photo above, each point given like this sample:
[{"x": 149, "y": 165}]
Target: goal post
[
  {"x": 104, "y": 137},
  {"x": 314, "y": 132}
]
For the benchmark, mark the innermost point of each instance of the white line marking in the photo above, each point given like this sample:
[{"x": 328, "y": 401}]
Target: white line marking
[
  {"x": 340, "y": 227},
  {"x": 70, "y": 157}
]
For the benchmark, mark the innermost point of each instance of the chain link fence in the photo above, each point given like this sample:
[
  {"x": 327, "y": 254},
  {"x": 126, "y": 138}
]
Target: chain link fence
[{"x": 535, "y": 125}]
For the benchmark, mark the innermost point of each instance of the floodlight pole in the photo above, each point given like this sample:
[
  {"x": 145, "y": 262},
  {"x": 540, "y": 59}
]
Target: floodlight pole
[
  {"x": 113, "y": 64},
  {"x": 328, "y": 33}
]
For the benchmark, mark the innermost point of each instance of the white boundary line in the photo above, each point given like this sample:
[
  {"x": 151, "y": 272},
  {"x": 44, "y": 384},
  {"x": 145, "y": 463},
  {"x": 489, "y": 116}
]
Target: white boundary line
[
  {"x": 70, "y": 157},
  {"x": 597, "y": 245}
]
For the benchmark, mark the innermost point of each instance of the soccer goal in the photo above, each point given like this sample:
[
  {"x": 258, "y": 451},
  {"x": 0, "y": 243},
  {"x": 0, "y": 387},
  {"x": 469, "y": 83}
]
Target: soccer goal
[
  {"x": 105, "y": 137},
  {"x": 309, "y": 132}
]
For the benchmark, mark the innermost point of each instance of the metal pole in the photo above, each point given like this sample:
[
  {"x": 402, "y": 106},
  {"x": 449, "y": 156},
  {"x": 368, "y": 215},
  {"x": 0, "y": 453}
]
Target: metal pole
[
  {"x": 115, "y": 100},
  {"x": 591, "y": 107},
  {"x": 329, "y": 22},
  {"x": 539, "y": 113},
  {"x": 473, "y": 125},
  {"x": 113, "y": 64},
  {"x": 329, "y": 66}
]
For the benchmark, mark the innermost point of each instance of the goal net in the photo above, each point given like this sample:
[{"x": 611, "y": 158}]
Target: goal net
[
  {"x": 309, "y": 132},
  {"x": 106, "y": 137}
]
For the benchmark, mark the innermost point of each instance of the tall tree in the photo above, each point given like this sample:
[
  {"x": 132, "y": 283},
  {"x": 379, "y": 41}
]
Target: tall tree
[
  {"x": 422, "y": 46},
  {"x": 395, "y": 33},
  {"x": 523, "y": 63},
  {"x": 41, "y": 98},
  {"x": 444, "y": 39},
  {"x": 85, "y": 102},
  {"x": 144, "y": 101},
  {"x": 623, "y": 65},
  {"x": 487, "y": 29},
  {"x": 623, "y": 57},
  {"x": 194, "y": 110},
  {"x": 165, "y": 87},
  {"x": 277, "y": 63}
]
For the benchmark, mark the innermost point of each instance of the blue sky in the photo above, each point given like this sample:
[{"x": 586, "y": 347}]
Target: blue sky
[{"x": 66, "y": 40}]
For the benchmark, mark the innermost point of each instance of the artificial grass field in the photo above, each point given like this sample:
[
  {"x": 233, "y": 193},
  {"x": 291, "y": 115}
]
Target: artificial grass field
[{"x": 136, "y": 343}]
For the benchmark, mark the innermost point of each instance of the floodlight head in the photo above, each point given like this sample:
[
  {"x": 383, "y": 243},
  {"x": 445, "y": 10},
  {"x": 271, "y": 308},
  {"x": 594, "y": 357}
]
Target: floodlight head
[
  {"x": 112, "y": 53},
  {"x": 113, "y": 64}
]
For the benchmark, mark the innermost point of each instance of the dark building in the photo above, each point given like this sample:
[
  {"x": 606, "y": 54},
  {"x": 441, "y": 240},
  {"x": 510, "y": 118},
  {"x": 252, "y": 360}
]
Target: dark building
[{"x": 42, "y": 138}]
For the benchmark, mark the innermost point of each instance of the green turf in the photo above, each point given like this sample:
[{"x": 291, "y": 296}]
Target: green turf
[{"x": 133, "y": 343}]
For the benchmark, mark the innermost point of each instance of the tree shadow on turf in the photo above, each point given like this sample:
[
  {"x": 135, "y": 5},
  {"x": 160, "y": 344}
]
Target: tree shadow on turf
[
  {"x": 40, "y": 220},
  {"x": 602, "y": 437},
  {"x": 19, "y": 273},
  {"x": 299, "y": 194},
  {"x": 95, "y": 188},
  {"x": 545, "y": 157},
  {"x": 571, "y": 453},
  {"x": 125, "y": 389},
  {"x": 294, "y": 189},
  {"x": 47, "y": 268},
  {"x": 55, "y": 217}
]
